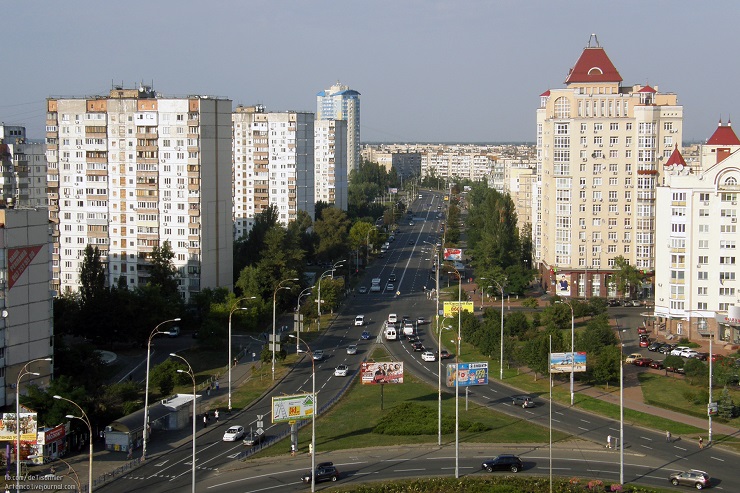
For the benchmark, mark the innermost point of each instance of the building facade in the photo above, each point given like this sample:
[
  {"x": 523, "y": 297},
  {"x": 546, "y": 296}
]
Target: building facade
[
  {"x": 273, "y": 164},
  {"x": 330, "y": 155},
  {"x": 339, "y": 102},
  {"x": 132, "y": 169},
  {"x": 23, "y": 171},
  {"x": 600, "y": 153}
]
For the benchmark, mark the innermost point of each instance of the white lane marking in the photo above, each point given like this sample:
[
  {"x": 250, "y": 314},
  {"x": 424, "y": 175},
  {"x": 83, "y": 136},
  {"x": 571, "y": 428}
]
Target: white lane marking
[
  {"x": 680, "y": 448},
  {"x": 582, "y": 428},
  {"x": 558, "y": 468},
  {"x": 409, "y": 470},
  {"x": 586, "y": 421},
  {"x": 558, "y": 412},
  {"x": 716, "y": 458},
  {"x": 650, "y": 448},
  {"x": 556, "y": 420},
  {"x": 648, "y": 439},
  {"x": 160, "y": 464}
]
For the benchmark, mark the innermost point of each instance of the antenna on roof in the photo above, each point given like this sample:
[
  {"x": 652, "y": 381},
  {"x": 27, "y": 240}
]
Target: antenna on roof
[{"x": 596, "y": 41}]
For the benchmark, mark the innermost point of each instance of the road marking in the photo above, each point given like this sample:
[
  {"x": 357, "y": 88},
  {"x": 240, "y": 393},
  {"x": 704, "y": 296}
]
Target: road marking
[
  {"x": 585, "y": 421},
  {"x": 558, "y": 412},
  {"x": 648, "y": 439},
  {"x": 651, "y": 448},
  {"x": 556, "y": 420},
  {"x": 395, "y": 460},
  {"x": 233, "y": 456},
  {"x": 530, "y": 412},
  {"x": 680, "y": 448},
  {"x": 582, "y": 428},
  {"x": 160, "y": 464},
  {"x": 556, "y": 468},
  {"x": 716, "y": 458},
  {"x": 409, "y": 470}
]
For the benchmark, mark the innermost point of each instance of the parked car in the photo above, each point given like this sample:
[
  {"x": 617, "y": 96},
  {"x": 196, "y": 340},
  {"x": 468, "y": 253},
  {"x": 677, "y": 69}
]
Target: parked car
[
  {"x": 365, "y": 335},
  {"x": 642, "y": 329},
  {"x": 666, "y": 348},
  {"x": 644, "y": 342},
  {"x": 612, "y": 302},
  {"x": 522, "y": 400},
  {"x": 657, "y": 365},
  {"x": 233, "y": 433},
  {"x": 676, "y": 351},
  {"x": 352, "y": 349},
  {"x": 636, "y": 303},
  {"x": 654, "y": 346},
  {"x": 695, "y": 478},
  {"x": 428, "y": 356},
  {"x": 642, "y": 361},
  {"x": 632, "y": 357},
  {"x": 323, "y": 473},
  {"x": 253, "y": 438},
  {"x": 341, "y": 371},
  {"x": 503, "y": 462},
  {"x": 689, "y": 353},
  {"x": 318, "y": 355}
]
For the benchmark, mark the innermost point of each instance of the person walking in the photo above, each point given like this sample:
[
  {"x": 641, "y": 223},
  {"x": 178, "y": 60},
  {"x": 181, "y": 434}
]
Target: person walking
[
  {"x": 205, "y": 421},
  {"x": 701, "y": 443},
  {"x": 668, "y": 436},
  {"x": 215, "y": 415},
  {"x": 609, "y": 441},
  {"x": 292, "y": 450},
  {"x": 310, "y": 448}
]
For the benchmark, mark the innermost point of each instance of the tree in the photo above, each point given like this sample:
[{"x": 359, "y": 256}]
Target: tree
[
  {"x": 725, "y": 406},
  {"x": 92, "y": 276},
  {"x": 626, "y": 277},
  {"x": 596, "y": 337},
  {"x": 332, "y": 229},
  {"x": 162, "y": 272},
  {"x": 604, "y": 365},
  {"x": 672, "y": 362},
  {"x": 695, "y": 370}
]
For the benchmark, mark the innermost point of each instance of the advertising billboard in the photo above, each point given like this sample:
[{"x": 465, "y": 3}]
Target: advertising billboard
[
  {"x": 28, "y": 425},
  {"x": 567, "y": 362},
  {"x": 453, "y": 254},
  {"x": 290, "y": 407},
  {"x": 562, "y": 286},
  {"x": 452, "y": 307},
  {"x": 381, "y": 372},
  {"x": 468, "y": 374}
]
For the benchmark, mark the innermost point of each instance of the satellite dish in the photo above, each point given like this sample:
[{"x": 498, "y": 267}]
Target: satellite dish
[{"x": 593, "y": 155}]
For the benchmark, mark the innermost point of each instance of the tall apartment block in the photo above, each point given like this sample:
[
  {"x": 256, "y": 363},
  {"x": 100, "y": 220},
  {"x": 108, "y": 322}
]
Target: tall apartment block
[
  {"x": 601, "y": 148},
  {"x": 330, "y": 155},
  {"x": 133, "y": 169},
  {"x": 273, "y": 164},
  {"x": 697, "y": 293},
  {"x": 26, "y": 324},
  {"x": 23, "y": 171},
  {"x": 339, "y": 102}
]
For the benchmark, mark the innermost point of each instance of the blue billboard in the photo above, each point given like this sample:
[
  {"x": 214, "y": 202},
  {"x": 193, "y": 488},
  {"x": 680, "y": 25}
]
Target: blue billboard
[{"x": 468, "y": 374}]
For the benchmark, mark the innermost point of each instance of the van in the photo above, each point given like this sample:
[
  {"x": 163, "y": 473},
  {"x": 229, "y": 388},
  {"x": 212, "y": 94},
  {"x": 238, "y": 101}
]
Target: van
[
  {"x": 408, "y": 328},
  {"x": 392, "y": 318},
  {"x": 391, "y": 334}
]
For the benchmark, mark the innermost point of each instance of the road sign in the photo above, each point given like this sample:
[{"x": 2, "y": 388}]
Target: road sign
[
  {"x": 260, "y": 431},
  {"x": 260, "y": 424},
  {"x": 274, "y": 347}
]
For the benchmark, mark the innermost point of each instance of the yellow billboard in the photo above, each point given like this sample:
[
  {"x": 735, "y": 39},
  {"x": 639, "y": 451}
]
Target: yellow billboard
[{"x": 452, "y": 307}]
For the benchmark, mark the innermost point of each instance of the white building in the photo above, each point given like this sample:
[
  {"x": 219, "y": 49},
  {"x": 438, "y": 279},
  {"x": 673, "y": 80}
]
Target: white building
[
  {"x": 697, "y": 291},
  {"x": 600, "y": 149},
  {"x": 330, "y": 155},
  {"x": 23, "y": 172},
  {"x": 132, "y": 169},
  {"x": 26, "y": 325},
  {"x": 339, "y": 102},
  {"x": 273, "y": 164}
]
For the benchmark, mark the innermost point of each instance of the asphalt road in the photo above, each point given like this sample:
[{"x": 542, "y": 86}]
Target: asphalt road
[{"x": 651, "y": 459}]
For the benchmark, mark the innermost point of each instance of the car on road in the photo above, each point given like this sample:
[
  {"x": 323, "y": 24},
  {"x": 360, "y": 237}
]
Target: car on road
[
  {"x": 233, "y": 433},
  {"x": 522, "y": 400},
  {"x": 412, "y": 242},
  {"x": 428, "y": 356},
  {"x": 359, "y": 320},
  {"x": 392, "y": 318},
  {"x": 418, "y": 346},
  {"x": 365, "y": 335},
  {"x": 362, "y": 290},
  {"x": 420, "y": 321},
  {"x": 694, "y": 478},
  {"x": 642, "y": 361},
  {"x": 412, "y": 338},
  {"x": 445, "y": 354},
  {"x": 632, "y": 357},
  {"x": 323, "y": 473},
  {"x": 318, "y": 355},
  {"x": 390, "y": 287},
  {"x": 656, "y": 365},
  {"x": 341, "y": 371},
  {"x": 352, "y": 349},
  {"x": 411, "y": 223},
  {"x": 642, "y": 329},
  {"x": 644, "y": 342},
  {"x": 253, "y": 438},
  {"x": 503, "y": 462},
  {"x": 612, "y": 302},
  {"x": 392, "y": 278}
]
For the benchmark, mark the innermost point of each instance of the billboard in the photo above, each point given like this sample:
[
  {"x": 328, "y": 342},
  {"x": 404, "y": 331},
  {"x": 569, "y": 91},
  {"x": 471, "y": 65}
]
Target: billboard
[
  {"x": 290, "y": 407},
  {"x": 562, "y": 286},
  {"x": 453, "y": 254},
  {"x": 382, "y": 372},
  {"x": 468, "y": 374},
  {"x": 28, "y": 425},
  {"x": 567, "y": 362},
  {"x": 452, "y": 307}
]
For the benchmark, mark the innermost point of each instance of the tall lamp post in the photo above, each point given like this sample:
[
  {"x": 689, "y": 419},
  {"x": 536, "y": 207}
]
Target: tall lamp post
[
  {"x": 621, "y": 405},
  {"x": 155, "y": 332},
  {"x": 75, "y": 478},
  {"x": 274, "y": 316},
  {"x": 439, "y": 342},
  {"x": 86, "y": 420},
  {"x": 22, "y": 374},
  {"x": 501, "y": 361},
  {"x": 234, "y": 308},
  {"x": 572, "y": 347},
  {"x": 303, "y": 293},
  {"x": 190, "y": 372},
  {"x": 313, "y": 417},
  {"x": 457, "y": 368},
  {"x": 331, "y": 273}
]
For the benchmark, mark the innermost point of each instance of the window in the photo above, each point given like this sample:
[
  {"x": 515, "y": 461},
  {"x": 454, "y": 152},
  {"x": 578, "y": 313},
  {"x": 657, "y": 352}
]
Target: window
[
  {"x": 703, "y": 259},
  {"x": 727, "y": 291},
  {"x": 703, "y": 276},
  {"x": 726, "y": 276},
  {"x": 702, "y": 290},
  {"x": 727, "y": 260},
  {"x": 614, "y": 127},
  {"x": 703, "y": 244},
  {"x": 723, "y": 307}
]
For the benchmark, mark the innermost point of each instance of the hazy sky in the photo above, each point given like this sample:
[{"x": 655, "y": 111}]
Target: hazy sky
[{"x": 433, "y": 71}]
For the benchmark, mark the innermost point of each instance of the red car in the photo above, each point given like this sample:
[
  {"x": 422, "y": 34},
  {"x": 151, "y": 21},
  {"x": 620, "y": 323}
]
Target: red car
[
  {"x": 658, "y": 365},
  {"x": 643, "y": 361},
  {"x": 642, "y": 330},
  {"x": 644, "y": 342}
]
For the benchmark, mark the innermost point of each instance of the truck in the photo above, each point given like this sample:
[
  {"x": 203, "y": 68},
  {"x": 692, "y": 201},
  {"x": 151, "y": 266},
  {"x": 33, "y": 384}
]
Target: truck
[{"x": 375, "y": 285}]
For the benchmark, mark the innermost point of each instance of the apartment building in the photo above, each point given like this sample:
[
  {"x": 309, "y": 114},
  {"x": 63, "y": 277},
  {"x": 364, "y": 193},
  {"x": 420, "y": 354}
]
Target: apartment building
[
  {"x": 26, "y": 324},
  {"x": 339, "y": 102},
  {"x": 518, "y": 183},
  {"x": 273, "y": 164},
  {"x": 601, "y": 148},
  {"x": 132, "y": 169},
  {"x": 452, "y": 164},
  {"x": 697, "y": 291},
  {"x": 23, "y": 172},
  {"x": 330, "y": 155}
]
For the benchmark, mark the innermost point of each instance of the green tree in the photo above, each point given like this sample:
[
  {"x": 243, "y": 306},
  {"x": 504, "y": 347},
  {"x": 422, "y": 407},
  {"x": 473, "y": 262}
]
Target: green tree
[
  {"x": 596, "y": 337},
  {"x": 162, "y": 271},
  {"x": 165, "y": 376},
  {"x": 725, "y": 405},
  {"x": 695, "y": 370},
  {"x": 333, "y": 232},
  {"x": 671, "y": 361},
  {"x": 92, "y": 276},
  {"x": 626, "y": 277},
  {"x": 52, "y": 412},
  {"x": 604, "y": 365}
]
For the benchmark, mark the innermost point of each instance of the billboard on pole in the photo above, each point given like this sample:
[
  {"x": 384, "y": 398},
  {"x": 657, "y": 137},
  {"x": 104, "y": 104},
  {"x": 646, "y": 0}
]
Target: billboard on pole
[
  {"x": 453, "y": 254},
  {"x": 567, "y": 362},
  {"x": 468, "y": 374},
  {"x": 382, "y": 372},
  {"x": 452, "y": 307},
  {"x": 290, "y": 407}
]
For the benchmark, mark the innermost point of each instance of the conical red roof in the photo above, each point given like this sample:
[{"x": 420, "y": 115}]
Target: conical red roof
[
  {"x": 724, "y": 136},
  {"x": 593, "y": 66},
  {"x": 676, "y": 158}
]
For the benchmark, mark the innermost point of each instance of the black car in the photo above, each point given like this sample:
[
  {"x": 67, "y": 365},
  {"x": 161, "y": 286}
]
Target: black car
[
  {"x": 503, "y": 462},
  {"x": 392, "y": 278},
  {"x": 418, "y": 346},
  {"x": 412, "y": 242},
  {"x": 522, "y": 400},
  {"x": 325, "y": 471},
  {"x": 612, "y": 302},
  {"x": 654, "y": 346},
  {"x": 251, "y": 439},
  {"x": 666, "y": 348},
  {"x": 413, "y": 338}
]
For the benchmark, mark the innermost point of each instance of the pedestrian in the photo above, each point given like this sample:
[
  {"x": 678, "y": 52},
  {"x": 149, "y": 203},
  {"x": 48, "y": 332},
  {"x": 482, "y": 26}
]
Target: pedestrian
[
  {"x": 217, "y": 386},
  {"x": 292, "y": 450},
  {"x": 235, "y": 360},
  {"x": 668, "y": 436},
  {"x": 310, "y": 448},
  {"x": 609, "y": 441},
  {"x": 701, "y": 443},
  {"x": 215, "y": 414},
  {"x": 205, "y": 421},
  {"x": 130, "y": 453},
  {"x": 208, "y": 390}
]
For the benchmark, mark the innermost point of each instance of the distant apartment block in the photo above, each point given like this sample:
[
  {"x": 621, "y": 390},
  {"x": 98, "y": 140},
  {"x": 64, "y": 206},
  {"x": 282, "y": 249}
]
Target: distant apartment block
[
  {"x": 330, "y": 155},
  {"x": 132, "y": 169},
  {"x": 339, "y": 102},
  {"x": 601, "y": 148},
  {"x": 273, "y": 164},
  {"x": 23, "y": 172},
  {"x": 406, "y": 164}
]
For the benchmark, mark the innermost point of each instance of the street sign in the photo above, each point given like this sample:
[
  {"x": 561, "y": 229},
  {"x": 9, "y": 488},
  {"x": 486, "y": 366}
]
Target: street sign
[
  {"x": 260, "y": 431},
  {"x": 274, "y": 347},
  {"x": 712, "y": 409}
]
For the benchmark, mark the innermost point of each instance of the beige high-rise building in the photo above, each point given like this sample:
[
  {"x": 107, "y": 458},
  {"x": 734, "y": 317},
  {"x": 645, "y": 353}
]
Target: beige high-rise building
[
  {"x": 600, "y": 153},
  {"x": 330, "y": 155},
  {"x": 132, "y": 169}
]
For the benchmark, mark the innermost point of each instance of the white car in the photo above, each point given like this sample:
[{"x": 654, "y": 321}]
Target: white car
[
  {"x": 234, "y": 433},
  {"x": 341, "y": 371},
  {"x": 389, "y": 287},
  {"x": 318, "y": 355},
  {"x": 689, "y": 353},
  {"x": 392, "y": 318},
  {"x": 352, "y": 349},
  {"x": 428, "y": 356},
  {"x": 678, "y": 350},
  {"x": 359, "y": 320}
]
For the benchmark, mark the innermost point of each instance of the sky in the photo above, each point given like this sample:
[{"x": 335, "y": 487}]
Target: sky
[{"x": 427, "y": 71}]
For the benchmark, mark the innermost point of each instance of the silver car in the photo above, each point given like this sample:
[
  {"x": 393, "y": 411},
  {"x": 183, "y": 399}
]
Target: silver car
[
  {"x": 522, "y": 400},
  {"x": 352, "y": 349}
]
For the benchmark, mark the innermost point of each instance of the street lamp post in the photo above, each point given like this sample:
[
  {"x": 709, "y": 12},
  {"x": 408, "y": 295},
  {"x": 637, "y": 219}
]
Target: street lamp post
[
  {"x": 24, "y": 371},
  {"x": 330, "y": 272},
  {"x": 75, "y": 478},
  {"x": 313, "y": 418},
  {"x": 457, "y": 369},
  {"x": 621, "y": 406},
  {"x": 439, "y": 342},
  {"x": 190, "y": 372},
  {"x": 274, "y": 316},
  {"x": 572, "y": 348},
  {"x": 155, "y": 332},
  {"x": 501, "y": 362},
  {"x": 234, "y": 308},
  {"x": 86, "y": 420},
  {"x": 303, "y": 293},
  {"x": 480, "y": 288}
]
